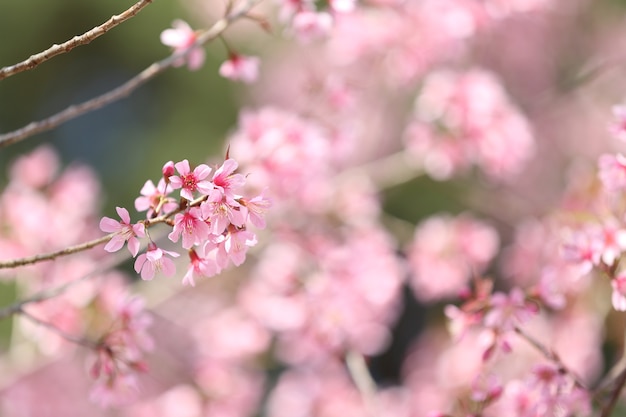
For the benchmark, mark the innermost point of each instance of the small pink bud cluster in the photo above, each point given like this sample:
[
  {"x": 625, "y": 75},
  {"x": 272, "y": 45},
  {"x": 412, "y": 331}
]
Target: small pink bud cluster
[
  {"x": 498, "y": 313},
  {"x": 210, "y": 220},
  {"x": 120, "y": 355}
]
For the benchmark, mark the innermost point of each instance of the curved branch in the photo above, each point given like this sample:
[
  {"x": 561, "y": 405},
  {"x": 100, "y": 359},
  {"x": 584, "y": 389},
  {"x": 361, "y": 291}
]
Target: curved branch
[
  {"x": 125, "y": 89},
  {"x": 58, "y": 49}
]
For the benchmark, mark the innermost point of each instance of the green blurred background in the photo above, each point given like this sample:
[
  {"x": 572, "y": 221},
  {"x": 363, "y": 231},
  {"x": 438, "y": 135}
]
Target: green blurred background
[{"x": 180, "y": 114}]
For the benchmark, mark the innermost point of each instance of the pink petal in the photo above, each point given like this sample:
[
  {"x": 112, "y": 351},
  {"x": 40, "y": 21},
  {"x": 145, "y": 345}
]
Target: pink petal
[
  {"x": 110, "y": 225},
  {"x": 195, "y": 58},
  {"x": 123, "y": 213},
  {"x": 115, "y": 244},
  {"x": 182, "y": 167}
]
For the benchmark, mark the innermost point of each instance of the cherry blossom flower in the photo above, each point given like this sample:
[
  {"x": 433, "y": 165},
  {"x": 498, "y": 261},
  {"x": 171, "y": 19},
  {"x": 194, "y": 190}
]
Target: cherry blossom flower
[
  {"x": 191, "y": 226},
  {"x": 200, "y": 265},
  {"x": 125, "y": 232},
  {"x": 241, "y": 68},
  {"x": 154, "y": 261},
  {"x": 234, "y": 246},
  {"x": 189, "y": 181},
  {"x": 154, "y": 199},
  {"x": 220, "y": 213},
  {"x": 257, "y": 207},
  {"x": 225, "y": 180},
  {"x": 181, "y": 38}
]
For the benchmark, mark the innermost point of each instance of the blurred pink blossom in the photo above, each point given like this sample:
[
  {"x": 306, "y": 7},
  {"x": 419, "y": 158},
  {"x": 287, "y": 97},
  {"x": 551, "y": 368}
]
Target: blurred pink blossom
[
  {"x": 241, "y": 68},
  {"x": 446, "y": 252},
  {"x": 181, "y": 38}
]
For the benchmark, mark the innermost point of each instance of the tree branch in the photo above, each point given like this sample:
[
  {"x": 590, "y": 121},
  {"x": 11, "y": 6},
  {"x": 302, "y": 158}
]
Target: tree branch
[
  {"x": 125, "y": 89},
  {"x": 17, "y": 307},
  {"x": 84, "y": 39},
  {"x": 52, "y": 255}
]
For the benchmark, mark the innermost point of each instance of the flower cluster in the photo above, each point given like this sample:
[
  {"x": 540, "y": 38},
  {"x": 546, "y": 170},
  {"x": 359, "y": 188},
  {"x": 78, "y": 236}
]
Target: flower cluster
[
  {"x": 210, "y": 220},
  {"x": 120, "y": 355}
]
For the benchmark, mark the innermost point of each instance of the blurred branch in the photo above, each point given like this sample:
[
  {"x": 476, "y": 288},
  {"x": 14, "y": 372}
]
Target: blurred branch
[
  {"x": 17, "y": 307},
  {"x": 387, "y": 171},
  {"x": 125, "y": 89},
  {"x": 363, "y": 380},
  {"x": 51, "y": 327},
  {"x": 550, "y": 355},
  {"x": 84, "y": 39}
]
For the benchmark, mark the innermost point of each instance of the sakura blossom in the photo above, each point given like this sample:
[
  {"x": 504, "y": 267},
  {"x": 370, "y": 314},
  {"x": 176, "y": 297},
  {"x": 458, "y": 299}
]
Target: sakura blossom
[
  {"x": 124, "y": 231},
  {"x": 181, "y": 37},
  {"x": 191, "y": 226},
  {"x": 191, "y": 181},
  {"x": 155, "y": 261}
]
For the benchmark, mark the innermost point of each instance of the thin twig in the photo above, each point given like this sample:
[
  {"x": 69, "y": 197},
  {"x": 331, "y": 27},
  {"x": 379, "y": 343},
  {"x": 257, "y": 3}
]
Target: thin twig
[
  {"x": 73, "y": 339},
  {"x": 52, "y": 255},
  {"x": 550, "y": 355},
  {"x": 92, "y": 243},
  {"x": 125, "y": 89},
  {"x": 84, "y": 39},
  {"x": 18, "y": 306}
]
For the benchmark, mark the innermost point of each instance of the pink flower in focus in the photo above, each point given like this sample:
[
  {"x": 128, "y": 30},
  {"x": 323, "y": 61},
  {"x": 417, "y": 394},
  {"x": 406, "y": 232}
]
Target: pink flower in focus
[
  {"x": 154, "y": 261},
  {"x": 220, "y": 213},
  {"x": 225, "y": 180},
  {"x": 618, "y": 298},
  {"x": 191, "y": 226},
  {"x": 234, "y": 247},
  {"x": 612, "y": 171},
  {"x": 200, "y": 265},
  {"x": 241, "y": 68},
  {"x": 181, "y": 37},
  {"x": 154, "y": 199},
  {"x": 189, "y": 181},
  {"x": 257, "y": 206},
  {"x": 125, "y": 232}
]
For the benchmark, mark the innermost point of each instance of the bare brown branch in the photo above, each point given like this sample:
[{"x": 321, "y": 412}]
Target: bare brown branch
[
  {"x": 52, "y": 255},
  {"x": 122, "y": 91},
  {"x": 58, "y": 49}
]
